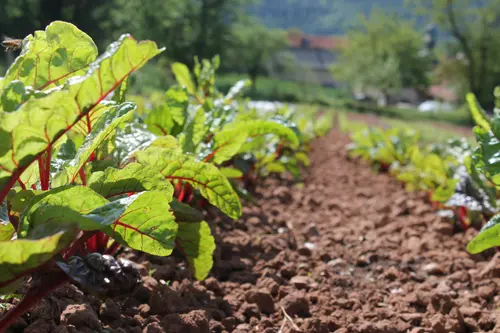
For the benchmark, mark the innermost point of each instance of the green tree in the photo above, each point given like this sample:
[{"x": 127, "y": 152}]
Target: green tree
[
  {"x": 22, "y": 17},
  {"x": 188, "y": 28},
  {"x": 254, "y": 46},
  {"x": 383, "y": 54},
  {"x": 474, "y": 26}
]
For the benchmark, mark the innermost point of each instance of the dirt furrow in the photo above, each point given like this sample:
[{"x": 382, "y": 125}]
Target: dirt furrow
[{"x": 349, "y": 251}]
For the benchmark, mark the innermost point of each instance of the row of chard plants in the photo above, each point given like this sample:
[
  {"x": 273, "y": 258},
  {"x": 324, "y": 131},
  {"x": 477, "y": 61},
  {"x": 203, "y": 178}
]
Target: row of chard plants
[
  {"x": 461, "y": 179},
  {"x": 83, "y": 173}
]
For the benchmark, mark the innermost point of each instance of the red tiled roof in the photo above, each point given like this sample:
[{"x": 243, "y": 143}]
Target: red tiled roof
[
  {"x": 317, "y": 42},
  {"x": 443, "y": 92}
]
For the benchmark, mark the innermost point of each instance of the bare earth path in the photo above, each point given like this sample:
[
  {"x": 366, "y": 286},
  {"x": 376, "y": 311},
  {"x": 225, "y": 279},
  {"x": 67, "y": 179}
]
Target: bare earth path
[{"x": 348, "y": 252}]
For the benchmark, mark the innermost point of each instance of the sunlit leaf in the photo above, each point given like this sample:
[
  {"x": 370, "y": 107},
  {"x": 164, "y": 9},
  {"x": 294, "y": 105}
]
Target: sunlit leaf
[
  {"x": 104, "y": 127},
  {"x": 203, "y": 176},
  {"x": 146, "y": 225},
  {"x": 477, "y": 112},
  {"x": 183, "y": 77},
  {"x": 226, "y": 145},
  {"x": 133, "y": 178},
  {"x": 60, "y": 205},
  {"x": 20, "y": 256},
  {"x": 488, "y": 237},
  {"x": 32, "y": 130},
  {"x": 50, "y": 57},
  {"x": 196, "y": 242}
]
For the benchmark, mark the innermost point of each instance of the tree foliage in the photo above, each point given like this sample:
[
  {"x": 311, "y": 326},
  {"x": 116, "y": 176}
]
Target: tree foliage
[
  {"x": 383, "y": 53},
  {"x": 254, "y": 47},
  {"x": 474, "y": 27}
]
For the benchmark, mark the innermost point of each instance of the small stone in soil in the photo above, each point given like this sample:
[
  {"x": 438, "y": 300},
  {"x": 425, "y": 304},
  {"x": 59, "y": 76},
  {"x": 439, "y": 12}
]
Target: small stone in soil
[
  {"x": 301, "y": 282},
  {"x": 263, "y": 299},
  {"x": 310, "y": 246},
  {"x": 296, "y": 304},
  {"x": 80, "y": 315},
  {"x": 433, "y": 269},
  {"x": 336, "y": 262}
]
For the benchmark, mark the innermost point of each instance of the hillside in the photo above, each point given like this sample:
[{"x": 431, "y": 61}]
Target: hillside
[{"x": 321, "y": 17}]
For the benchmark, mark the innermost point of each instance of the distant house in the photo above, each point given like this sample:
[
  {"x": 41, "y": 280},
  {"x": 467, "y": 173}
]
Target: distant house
[{"x": 313, "y": 57}]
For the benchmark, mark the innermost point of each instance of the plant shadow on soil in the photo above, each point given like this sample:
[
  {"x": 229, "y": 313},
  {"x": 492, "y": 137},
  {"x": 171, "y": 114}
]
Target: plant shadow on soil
[{"x": 350, "y": 251}]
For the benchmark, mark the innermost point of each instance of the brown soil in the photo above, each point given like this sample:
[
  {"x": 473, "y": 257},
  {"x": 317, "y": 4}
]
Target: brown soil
[{"x": 349, "y": 251}]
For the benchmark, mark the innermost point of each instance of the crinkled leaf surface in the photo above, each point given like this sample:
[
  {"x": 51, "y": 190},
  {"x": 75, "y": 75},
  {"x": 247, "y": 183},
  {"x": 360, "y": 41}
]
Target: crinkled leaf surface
[
  {"x": 487, "y": 157},
  {"x": 16, "y": 93},
  {"x": 50, "y": 57},
  {"x": 194, "y": 130},
  {"x": 133, "y": 137},
  {"x": 22, "y": 255},
  {"x": 227, "y": 144},
  {"x": 205, "y": 177},
  {"x": 133, "y": 178},
  {"x": 488, "y": 237},
  {"x": 104, "y": 127},
  {"x": 120, "y": 93},
  {"x": 169, "y": 117},
  {"x": 196, "y": 242},
  {"x": 66, "y": 153},
  {"x": 147, "y": 225},
  {"x": 39, "y": 123},
  {"x": 61, "y": 205}
]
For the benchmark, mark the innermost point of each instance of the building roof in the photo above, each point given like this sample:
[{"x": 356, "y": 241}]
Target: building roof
[
  {"x": 298, "y": 40},
  {"x": 443, "y": 92}
]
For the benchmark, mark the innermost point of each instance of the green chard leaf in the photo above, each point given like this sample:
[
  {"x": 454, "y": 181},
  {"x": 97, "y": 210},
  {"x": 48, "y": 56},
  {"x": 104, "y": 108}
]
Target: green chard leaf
[
  {"x": 196, "y": 242},
  {"x": 20, "y": 256},
  {"x": 146, "y": 225},
  {"x": 133, "y": 178},
  {"x": 35, "y": 126},
  {"x": 237, "y": 89},
  {"x": 185, "y": 213},
  {"x": 60, "y": 205},
  {"x": 163, "y": 120},
  {"x": 488, "y": 237},
  {"x": 51, "y": 57},
  {"x": 183, "y": 77},
  {"x": 120, "y": 93},
  {"x": 205, "y": 177},
  {"x": 480, "y": 117},
  {"x": 104, "y": 127},
  {"x": 487, "y": 157},
  {"x": 16, "y": 94},
  {"x": 226, "y": 144},
  {"x": 256, "y": 128},
  {"x": 194, "y": 131},
  {"x": 231, "y": 172},
  {"x": 66, "y": 153}
]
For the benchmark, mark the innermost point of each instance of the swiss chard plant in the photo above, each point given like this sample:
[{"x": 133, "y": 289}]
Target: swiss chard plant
[
  {"x": 444, "y": 171},
  {"x": 485, "y": 162},
  {"x": 384, "y": 147},
  {"x": 220, "y": 129},
  {"x": 80, "y": 176}
]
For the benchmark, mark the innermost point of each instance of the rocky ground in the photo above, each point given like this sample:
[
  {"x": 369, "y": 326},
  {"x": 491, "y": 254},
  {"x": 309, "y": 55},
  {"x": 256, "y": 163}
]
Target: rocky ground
[{"x": 350, "y": 251}]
